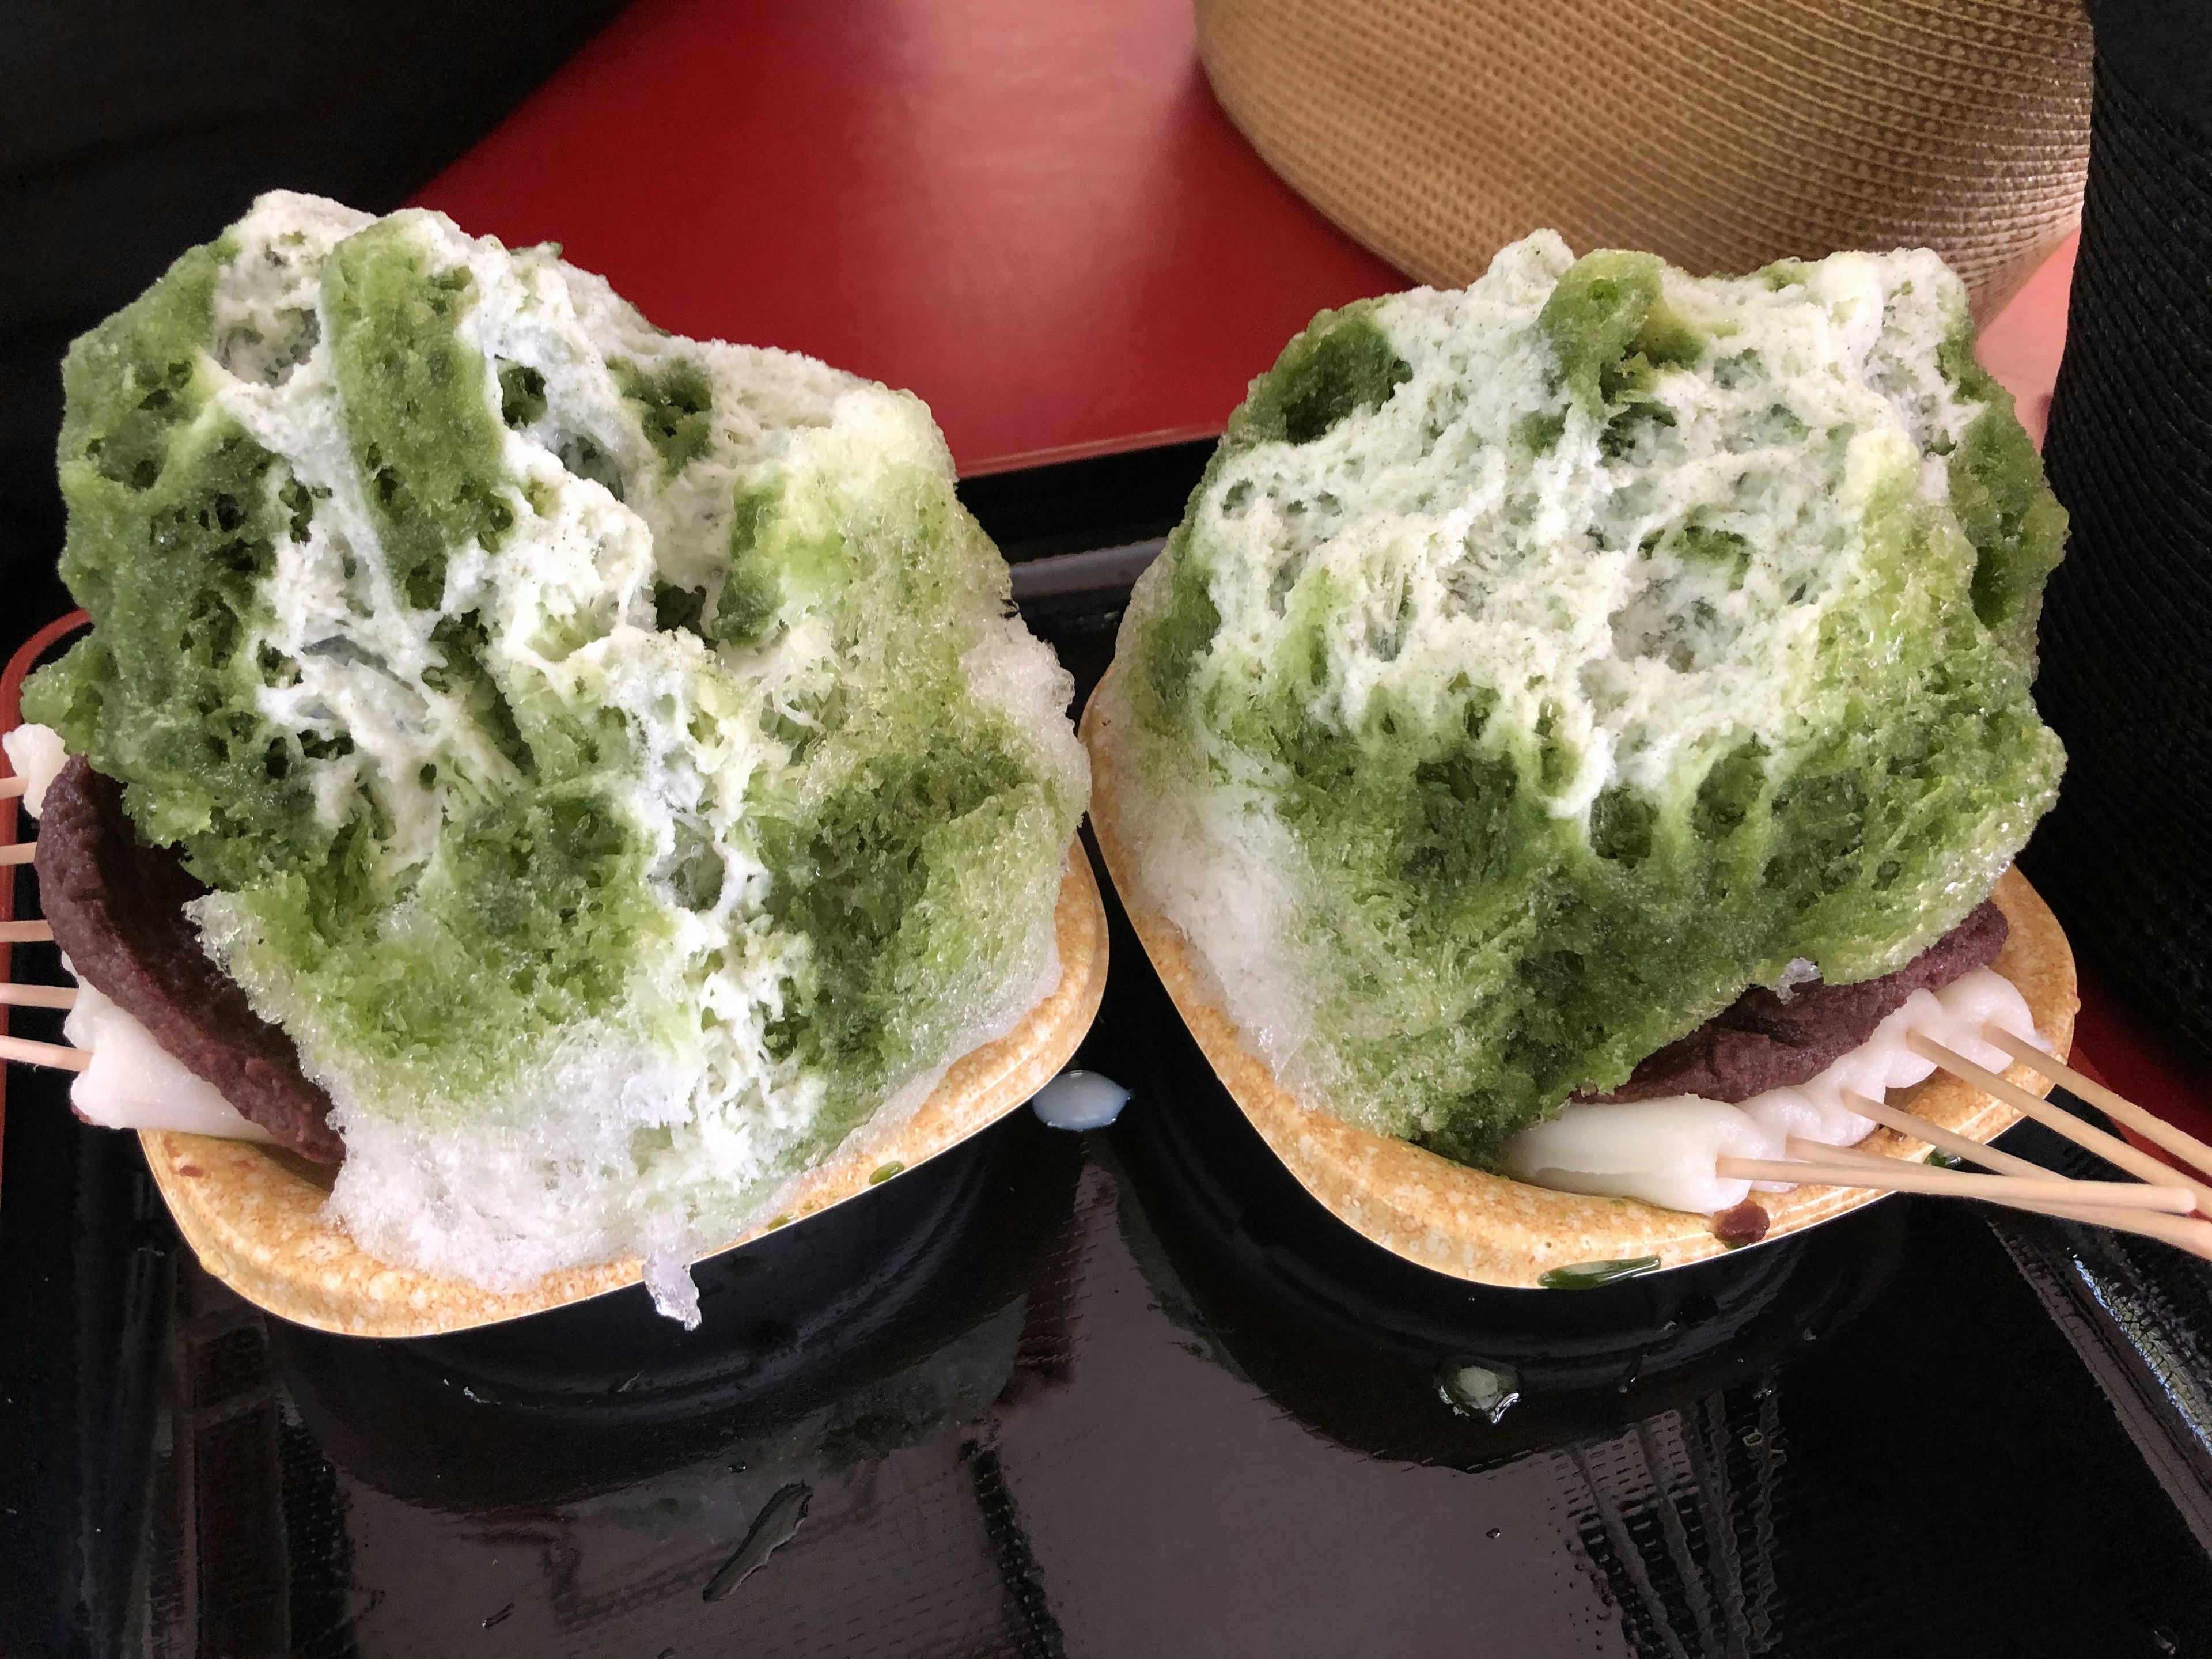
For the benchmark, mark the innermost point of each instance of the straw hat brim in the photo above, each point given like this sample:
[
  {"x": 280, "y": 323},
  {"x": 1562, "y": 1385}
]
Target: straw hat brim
[{"x": 1719, "y": 134}]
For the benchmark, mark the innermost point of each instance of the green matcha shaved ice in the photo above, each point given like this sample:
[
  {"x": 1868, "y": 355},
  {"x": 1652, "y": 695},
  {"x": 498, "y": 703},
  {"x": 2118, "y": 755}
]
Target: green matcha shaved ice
[
  {"x": 1539, "y": 666},
  {"x": 613, "y": 755}
]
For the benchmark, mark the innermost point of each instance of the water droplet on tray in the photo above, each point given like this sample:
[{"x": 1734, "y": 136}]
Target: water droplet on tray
[
  {"x": 1079, "y": 1100},
  {"x": 774, "y": 1526},
  {"x": 1475, "y": 1387}
]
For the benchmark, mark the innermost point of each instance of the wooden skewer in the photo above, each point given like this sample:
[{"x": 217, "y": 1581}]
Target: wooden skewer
[
  {"x": 2118, "y": 1108},
  {"x": 11, "y": 788},
  {"x": 25, "y": 932},
  {"x": 58, "y": 1055},
  {"x": 37, "y": 996},
  {"x": 2190, "y": 1234},
  {"x": 2090, "y": 1200},
  {"x": 19, "y": 852},
  {"x": 2111, "y": 1148},
  {"x": 2083, "y": 1194},
  {"x": 1820, "y": 1152},
  {"x": 1905, "y": 1123},
  {"x": 1919, "y": 1178}
]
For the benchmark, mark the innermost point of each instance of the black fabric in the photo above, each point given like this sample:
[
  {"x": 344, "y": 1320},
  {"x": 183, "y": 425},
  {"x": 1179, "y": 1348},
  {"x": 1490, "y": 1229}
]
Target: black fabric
[
  {"x": 2161, "y": 51},
  {"x": 2126, "y": 858}
]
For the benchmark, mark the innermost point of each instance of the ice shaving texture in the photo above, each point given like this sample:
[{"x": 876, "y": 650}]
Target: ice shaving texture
[
  {"x": 1539, "y": 666},
  {"x": 613, "y": 755}
]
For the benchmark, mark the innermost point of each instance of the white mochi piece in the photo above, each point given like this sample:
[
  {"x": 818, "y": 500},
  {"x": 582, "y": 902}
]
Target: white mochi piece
[
  {"x": 133, "y": 1082},
  {"x": 1984, "y": 997},
  {"x": 1662, "y": 1151},
  {"x": 35, "y": 754}
]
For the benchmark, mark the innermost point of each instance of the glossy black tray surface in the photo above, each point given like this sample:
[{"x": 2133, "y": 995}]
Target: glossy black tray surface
[{"x": 1124, "y": 1393}]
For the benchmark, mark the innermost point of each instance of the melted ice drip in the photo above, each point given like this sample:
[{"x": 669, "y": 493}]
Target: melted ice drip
[{"x": 1663, "y": 1151}]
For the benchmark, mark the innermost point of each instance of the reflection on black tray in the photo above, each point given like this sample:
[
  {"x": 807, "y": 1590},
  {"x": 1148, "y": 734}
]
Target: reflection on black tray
[
  {"x": 1392, "y": 1360},
  {"x": 1725, "y": 1443},
  {"x": 1126, "y": 1392},
  {"x": 1657, "y": 1394},
  {"x": 293, "y": 1483},
  {"x": 871, "y": 1323}
]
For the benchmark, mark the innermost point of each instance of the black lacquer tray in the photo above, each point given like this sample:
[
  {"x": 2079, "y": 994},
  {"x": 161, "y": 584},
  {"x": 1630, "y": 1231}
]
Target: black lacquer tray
[{"x": 1126, "y": 1393}]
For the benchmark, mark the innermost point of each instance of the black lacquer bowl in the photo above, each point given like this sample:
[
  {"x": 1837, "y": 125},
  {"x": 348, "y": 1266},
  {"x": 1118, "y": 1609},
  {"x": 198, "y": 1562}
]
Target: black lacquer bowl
[
  {"x": 606, "y": 1391},
  {"x": 1391, "y": 1358}
]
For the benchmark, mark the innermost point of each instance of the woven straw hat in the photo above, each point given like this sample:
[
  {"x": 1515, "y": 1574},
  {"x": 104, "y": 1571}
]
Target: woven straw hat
[{"x": 1720, "y": 134}]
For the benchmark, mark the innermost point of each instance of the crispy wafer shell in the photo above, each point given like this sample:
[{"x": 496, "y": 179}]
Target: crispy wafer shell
[
  {"x": 1479, "y": 1226},
  {"x": 256, "y": 1215}
]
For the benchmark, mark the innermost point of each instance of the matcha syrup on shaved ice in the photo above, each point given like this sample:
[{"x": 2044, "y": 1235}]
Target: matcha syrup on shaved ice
[
  {"x": 1539, "y": 666},
  {"x": 612, "y": 755}
]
